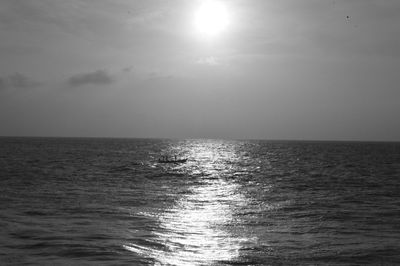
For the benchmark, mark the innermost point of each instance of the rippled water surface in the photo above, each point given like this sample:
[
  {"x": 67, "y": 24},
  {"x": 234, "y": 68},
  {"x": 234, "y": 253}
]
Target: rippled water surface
[{"x": 109, "y": 202}]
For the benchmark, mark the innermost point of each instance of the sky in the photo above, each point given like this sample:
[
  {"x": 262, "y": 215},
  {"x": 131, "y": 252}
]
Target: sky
[{"x": 287, "y": 69}]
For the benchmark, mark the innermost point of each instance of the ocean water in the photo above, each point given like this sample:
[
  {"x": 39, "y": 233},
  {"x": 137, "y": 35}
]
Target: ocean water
[{"x": 76, "y": 201}]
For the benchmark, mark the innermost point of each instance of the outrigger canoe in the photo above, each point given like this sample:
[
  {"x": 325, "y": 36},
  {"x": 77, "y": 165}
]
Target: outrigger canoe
[{"x": 172, "y": 161}]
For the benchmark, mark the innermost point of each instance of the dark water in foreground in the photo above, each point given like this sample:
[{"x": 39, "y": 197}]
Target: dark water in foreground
[{"x": 108, "y": 202}]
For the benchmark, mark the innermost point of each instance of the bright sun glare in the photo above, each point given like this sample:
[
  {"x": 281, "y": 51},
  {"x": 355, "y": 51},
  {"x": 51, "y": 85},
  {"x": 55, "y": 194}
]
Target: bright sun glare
[{"x": 211, "y": 18}]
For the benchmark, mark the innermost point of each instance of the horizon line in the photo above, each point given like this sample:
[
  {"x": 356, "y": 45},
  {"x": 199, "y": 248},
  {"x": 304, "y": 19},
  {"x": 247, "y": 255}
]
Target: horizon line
[{"x": 204, "y": 138}]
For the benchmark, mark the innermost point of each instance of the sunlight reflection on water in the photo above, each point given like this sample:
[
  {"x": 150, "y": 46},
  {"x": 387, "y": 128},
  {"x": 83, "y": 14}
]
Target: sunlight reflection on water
[
  {"x": 196, "y": 230},
  {"x": 193, "y": 230}
]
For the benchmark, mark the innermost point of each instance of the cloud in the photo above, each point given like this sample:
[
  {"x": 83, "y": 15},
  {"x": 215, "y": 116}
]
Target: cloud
[
  {"x": 212, "y": 61},
  {"x": 98, "y": 77},
  {"x": 17, "y": 81},
  {"x": 127, "y": 69}
]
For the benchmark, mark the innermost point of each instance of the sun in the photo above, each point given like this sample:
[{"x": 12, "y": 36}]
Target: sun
[{"x": 211, "y": 18}]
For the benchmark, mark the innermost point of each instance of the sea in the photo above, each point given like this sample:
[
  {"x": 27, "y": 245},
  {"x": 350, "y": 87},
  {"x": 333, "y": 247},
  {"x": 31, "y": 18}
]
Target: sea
[{"x": 104, "y": 201}]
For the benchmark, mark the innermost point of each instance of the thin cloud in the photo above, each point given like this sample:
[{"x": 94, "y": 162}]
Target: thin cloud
[
  {"x": 98, "y": 77},
  {"x": 127, "y": 69},
  {"x": 212, "y": 61},
  {"x": 17, "y": 80}
]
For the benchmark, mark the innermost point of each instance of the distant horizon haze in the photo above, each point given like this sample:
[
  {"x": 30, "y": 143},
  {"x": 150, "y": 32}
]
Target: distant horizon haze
[{"x": 201, "y": 138}]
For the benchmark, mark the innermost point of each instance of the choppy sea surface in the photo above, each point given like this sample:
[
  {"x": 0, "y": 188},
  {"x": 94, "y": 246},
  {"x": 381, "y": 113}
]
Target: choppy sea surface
[{"x": 77, "y": 201}]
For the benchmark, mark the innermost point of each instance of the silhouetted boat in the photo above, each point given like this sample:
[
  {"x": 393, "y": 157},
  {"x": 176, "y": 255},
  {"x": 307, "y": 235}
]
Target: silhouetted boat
[{"x": 172, "y": 161}]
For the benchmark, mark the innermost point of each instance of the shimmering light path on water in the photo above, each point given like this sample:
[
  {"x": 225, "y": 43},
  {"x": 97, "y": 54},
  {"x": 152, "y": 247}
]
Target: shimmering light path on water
[
  {"x": 193, "y": 230},
  {"x": 108, "y": 202},
  {"x": 197, "y": 229}
]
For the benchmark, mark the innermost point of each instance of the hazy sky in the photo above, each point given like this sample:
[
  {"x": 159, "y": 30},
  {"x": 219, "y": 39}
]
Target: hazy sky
[{"x": 281, "y": 69}]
